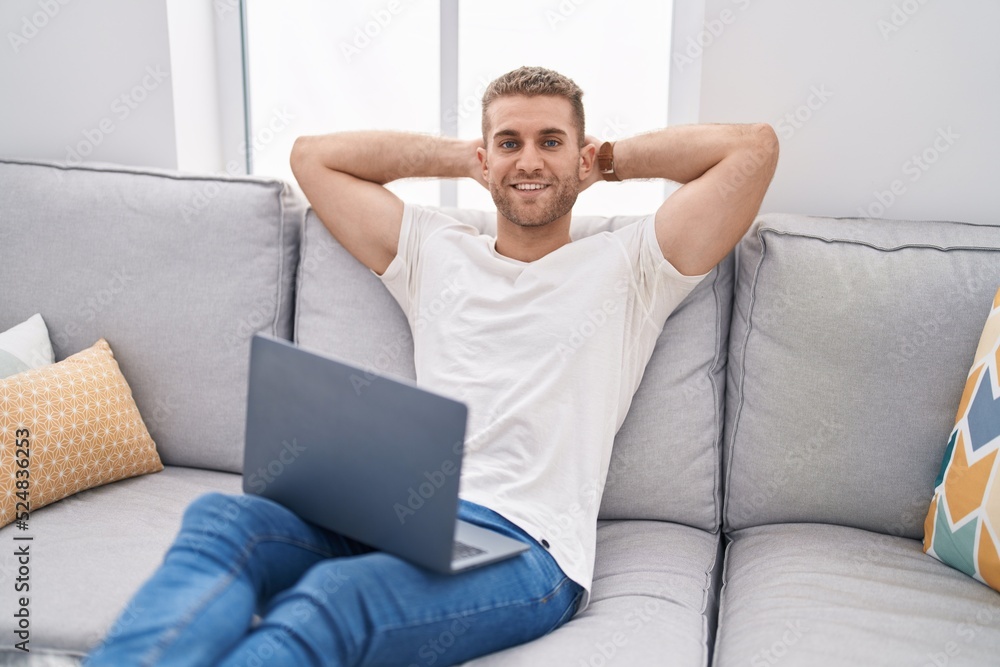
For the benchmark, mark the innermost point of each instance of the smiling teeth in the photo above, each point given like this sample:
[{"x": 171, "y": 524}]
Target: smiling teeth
[{"x": 529, "y": 186}]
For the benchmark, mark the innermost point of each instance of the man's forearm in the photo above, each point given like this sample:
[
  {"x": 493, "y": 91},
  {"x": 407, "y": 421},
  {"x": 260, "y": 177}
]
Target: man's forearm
[
  {"x": 684, "y": 153},
  {"x": 381, "y": 157}
]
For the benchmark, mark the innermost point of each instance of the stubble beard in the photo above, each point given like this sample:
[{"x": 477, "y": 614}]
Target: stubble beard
[{"x": 561, "y": 198}]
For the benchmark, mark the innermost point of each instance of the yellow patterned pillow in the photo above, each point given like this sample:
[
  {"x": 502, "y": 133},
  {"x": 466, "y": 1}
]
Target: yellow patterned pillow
[
  {"x": 71, "y": 426},
  {"x": 962, "y": 527}
]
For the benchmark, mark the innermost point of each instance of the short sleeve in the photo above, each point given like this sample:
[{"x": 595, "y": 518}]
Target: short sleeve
[
  {"x": 659, "y": 285},
  {"x": 402, "y": 276}
]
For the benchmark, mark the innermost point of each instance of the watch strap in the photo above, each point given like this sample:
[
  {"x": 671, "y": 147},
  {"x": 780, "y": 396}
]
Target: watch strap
[{"x": 606, "y": 161}]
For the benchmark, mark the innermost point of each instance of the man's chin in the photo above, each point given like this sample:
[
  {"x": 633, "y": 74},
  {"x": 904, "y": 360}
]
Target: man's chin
[{"x": 538, "y": 217}]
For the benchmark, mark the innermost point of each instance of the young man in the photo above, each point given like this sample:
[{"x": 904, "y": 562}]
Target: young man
[{"x": 544, "y": 404}]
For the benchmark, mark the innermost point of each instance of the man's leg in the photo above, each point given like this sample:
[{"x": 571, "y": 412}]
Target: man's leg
[
  {"x": 376, "y": 609},
  {"x": 232, "y": 555}
]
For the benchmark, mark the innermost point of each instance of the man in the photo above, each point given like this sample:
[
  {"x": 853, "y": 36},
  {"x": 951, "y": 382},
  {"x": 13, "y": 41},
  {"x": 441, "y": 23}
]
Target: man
[{"x": 544, "y": 404}]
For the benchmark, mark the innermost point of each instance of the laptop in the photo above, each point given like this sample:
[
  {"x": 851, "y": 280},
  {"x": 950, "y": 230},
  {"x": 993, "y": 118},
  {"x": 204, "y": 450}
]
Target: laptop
[{"x": 371, "y": 457}]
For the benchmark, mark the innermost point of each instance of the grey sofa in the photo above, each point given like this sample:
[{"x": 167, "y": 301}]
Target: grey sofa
[{"x": 767, "y": 492}]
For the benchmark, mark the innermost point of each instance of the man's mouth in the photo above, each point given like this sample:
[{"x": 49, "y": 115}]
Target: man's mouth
[{"x": 524, "y": 187}]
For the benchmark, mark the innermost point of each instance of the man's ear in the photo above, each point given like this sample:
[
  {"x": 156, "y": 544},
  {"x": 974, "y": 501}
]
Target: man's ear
[
  {"x": 588, "y": 160},
  {"x": 481, "y": 154}
]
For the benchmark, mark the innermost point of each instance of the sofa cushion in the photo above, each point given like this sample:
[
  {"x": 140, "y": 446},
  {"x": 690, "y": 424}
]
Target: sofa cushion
[
  {"x": 25, "y": 346},
  {"x": 92, "y": 551},
  {"x": 76, "y": 427},
  {"x": 654, "y": 602},
  {"x": 665, "y": 463},
  {"x": 821, "y": 595},
  {"x": 177, "y": 272},
  {"x": 850, "y": 343},
  {"x": 962, "y": 527}
]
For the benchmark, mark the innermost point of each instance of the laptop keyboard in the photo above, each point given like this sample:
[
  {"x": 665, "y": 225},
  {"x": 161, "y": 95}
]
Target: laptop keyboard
[{"x": 461, "y": 550}]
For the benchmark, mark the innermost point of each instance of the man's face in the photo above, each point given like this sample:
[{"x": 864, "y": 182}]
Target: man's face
[{"x": 532, "y": 160}]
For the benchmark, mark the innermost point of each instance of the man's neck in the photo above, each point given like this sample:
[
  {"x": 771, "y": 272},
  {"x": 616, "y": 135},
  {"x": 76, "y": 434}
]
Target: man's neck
[{"x": 527, "y": 244}]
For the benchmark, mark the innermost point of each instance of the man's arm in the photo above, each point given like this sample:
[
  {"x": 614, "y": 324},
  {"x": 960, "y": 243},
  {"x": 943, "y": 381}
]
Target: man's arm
[
  {"x": 343, "y": 176},
  {"x": 725, "y": 170}
]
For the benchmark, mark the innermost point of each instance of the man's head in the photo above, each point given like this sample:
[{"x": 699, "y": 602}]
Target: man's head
[
  {"x": 532, "y": 81},
  {"x": 534, "y": 159}
]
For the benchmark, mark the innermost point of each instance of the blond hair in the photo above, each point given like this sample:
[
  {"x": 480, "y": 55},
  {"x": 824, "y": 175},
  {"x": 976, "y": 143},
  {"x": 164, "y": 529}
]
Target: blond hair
[{"x": 531, "y": 81}]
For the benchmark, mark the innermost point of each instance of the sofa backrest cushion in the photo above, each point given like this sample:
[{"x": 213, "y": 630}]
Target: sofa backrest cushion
[
  {"x": 665, "y": 463},
  {"x": 177, "y": 272},
  {"x": 850, "y": 344}
]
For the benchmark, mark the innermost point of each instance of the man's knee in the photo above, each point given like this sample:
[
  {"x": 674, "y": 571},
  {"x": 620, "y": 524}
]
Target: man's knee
[
  {"x": 209, "y": 506},
  {"x": 214, "y": 514}
]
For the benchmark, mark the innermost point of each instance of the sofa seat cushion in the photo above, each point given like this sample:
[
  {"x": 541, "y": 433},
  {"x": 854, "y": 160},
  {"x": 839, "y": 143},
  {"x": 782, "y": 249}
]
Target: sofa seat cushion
[
  {"x": 653, "y": 602},
  {"x": 823, "y": 595},
  {"x": 92, "y": 551}
]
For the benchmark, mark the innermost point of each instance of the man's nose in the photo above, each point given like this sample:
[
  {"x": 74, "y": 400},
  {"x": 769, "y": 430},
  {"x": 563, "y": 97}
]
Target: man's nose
[{"x": 529, "y": 159}]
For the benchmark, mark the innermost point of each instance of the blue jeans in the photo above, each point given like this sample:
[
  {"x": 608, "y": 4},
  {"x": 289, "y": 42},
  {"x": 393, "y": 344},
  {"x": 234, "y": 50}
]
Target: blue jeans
[{"x": 324, "y": 599}]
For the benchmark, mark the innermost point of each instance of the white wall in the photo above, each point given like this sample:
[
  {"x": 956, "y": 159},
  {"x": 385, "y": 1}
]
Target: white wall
[
  {"x": 86, "y": 80},
  {"x": 868, "y": 97},
  {"x": 887, "y": 80}
]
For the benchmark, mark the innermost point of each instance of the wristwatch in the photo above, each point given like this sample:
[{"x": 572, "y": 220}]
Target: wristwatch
[{"x": 606, "y": 161}]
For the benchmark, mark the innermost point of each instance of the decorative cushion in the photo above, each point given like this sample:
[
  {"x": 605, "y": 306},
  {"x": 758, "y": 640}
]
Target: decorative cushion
[
  {"x": 25, "y": 346},
  {"x": 79, "y": 425},
  {"x": 962, "y": 528}
]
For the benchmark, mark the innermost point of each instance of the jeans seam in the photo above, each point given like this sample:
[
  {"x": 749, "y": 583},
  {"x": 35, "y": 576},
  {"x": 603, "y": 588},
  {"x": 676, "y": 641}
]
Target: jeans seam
[
  {"x": 570, "y": 611},
  {"x": 158, "y": 649}
]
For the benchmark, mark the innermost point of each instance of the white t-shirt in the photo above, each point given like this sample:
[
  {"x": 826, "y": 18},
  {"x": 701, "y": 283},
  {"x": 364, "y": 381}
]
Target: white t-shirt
[{"x": 547, "y": 355}]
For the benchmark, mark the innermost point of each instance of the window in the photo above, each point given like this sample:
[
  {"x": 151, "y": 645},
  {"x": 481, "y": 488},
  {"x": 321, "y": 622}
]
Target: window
[{"x": 318, "y": 67}]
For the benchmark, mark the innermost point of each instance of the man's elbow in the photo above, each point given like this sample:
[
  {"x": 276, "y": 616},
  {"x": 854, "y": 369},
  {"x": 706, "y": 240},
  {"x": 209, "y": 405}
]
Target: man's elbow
[
  {"x": 764, "y": 143},
  {"x": 300, "y": 153}
]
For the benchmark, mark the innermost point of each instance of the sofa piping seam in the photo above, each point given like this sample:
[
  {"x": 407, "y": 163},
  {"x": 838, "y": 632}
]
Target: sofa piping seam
[
  {"x": 281, "y": 263},
  {"x": 875, "y": 246},
  {"x": 722, "y": 595},
  {"x": 717, "y": 407},
  {"x": 299, "y": 276},
  {"x": 742, "y": 367},
  {"x": 249, "y": 179}
]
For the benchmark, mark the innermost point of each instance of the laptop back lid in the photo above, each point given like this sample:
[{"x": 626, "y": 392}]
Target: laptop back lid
[{"x": 371, "y": 457}]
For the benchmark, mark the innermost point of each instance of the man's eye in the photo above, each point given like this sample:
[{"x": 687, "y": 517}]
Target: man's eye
[
  {"x": 508, "y": 144},
  {"x": 551, "y": 143}
]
